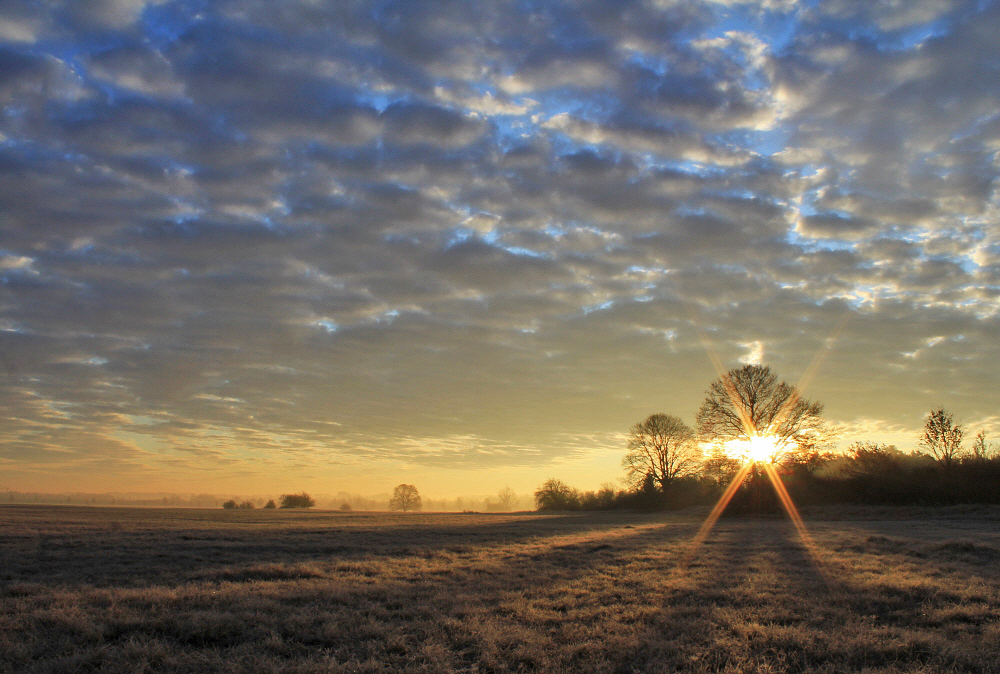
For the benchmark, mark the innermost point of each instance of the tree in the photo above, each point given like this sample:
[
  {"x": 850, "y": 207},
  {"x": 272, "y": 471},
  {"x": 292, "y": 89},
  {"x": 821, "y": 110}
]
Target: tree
[
  {"x": 751, "y": 402},
  {"x": 302, "y": 500},
  {"x": 719, "y": 468},
  {"x": 942, "y": 437},
  {"x": 871, "y": 459},
  {"x": 556, "y": 495},
  {"x": 405, "y": 498},
  {"x": 231, "y": 504},
  {"x": 506, "y": 499},
  {"x": 270, "y": 504},
  {"x": 661, "y": 447},
  {"x": 981, "y": 450}
]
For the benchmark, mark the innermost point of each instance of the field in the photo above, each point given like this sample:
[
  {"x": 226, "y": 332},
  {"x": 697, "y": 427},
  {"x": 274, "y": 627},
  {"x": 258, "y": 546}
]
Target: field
[{"x": 172, "y": 590}]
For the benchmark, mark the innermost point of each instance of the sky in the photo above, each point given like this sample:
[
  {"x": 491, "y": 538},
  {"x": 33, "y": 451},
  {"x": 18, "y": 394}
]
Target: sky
[{"x": 259, "y": 246}]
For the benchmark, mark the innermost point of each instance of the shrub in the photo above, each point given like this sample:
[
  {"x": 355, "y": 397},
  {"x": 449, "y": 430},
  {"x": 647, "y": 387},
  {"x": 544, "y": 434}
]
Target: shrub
[
  {"x": 557, "y": 495},
  {"x": 270, "y": 504},
  {"x": 302, "y": 500},
  {"x": 230, "y": 504}
]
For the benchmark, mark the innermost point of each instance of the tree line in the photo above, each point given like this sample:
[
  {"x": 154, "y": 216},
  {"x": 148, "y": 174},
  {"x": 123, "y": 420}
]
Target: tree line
[
  {"x": 302, "y": 500},
  {"x": 750, "y": 417},
  {"x": 405, "y": 498}
]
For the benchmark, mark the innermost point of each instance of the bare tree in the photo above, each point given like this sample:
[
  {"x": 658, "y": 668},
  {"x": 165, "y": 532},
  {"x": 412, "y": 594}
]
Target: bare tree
[
  {"x": 661, "y": 447},
  {"x": 942, "y": 437},
  {"x": 981, "y": 450},
  {"x": 506, "y": 498},
  {"x": 405, "y": 497},
  {"x": 750, "y": 401}
]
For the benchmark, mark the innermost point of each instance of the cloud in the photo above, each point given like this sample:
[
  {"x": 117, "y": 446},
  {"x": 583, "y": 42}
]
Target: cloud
[{"x": 450, "y": 235}]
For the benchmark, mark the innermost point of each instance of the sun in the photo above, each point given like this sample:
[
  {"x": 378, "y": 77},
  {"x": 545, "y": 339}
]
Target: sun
[
  {"x": 762, "y": 448},
  {"x": 758, "y": 449}
]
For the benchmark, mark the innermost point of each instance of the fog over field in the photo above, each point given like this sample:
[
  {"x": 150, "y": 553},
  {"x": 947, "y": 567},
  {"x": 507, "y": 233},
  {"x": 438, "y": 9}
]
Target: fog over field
[{"x": 258, "y": 247}]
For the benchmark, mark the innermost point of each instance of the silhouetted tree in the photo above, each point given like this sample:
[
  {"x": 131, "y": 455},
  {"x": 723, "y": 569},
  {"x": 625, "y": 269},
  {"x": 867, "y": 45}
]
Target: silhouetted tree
[
  {"x": 556, "y": 495},
  {"x": 661, "y": 447},
  {"x": 405, "y": 498},
  {"x": 750, "y": 401},
  {"x": 871, "y": 459},
  {"x": 942, "y": 437},
  {"x": 719, "y": 468},
  {"x": 302, "y": 500},
  {"x": 231, "y": 504},
  {"x": 981, "y": 451},
  {"x": 247, "y": 505},
  {"x": 602, "y": 499},
  {"x": 270, "y": 504}
]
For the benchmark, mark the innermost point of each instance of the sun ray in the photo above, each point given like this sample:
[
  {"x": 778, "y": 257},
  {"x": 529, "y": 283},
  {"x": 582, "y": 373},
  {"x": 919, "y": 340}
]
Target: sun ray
[
  {"x": 762, "y": 446},
  {"x": 793, "y": 514},
  {"x": 714, "y": 515}
]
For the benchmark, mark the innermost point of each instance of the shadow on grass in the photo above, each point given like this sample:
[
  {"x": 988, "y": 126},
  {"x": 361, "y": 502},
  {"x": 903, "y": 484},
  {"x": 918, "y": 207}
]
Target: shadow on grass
[{"x": 117, "y": 591}]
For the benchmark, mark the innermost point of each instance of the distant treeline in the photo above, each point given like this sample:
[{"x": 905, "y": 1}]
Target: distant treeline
[
  {"x": 332, "y": 502},
  {"x": 869, "y": 474}
]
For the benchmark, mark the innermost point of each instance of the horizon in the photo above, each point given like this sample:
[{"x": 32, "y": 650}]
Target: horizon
[{"x": 263, "y": 249}]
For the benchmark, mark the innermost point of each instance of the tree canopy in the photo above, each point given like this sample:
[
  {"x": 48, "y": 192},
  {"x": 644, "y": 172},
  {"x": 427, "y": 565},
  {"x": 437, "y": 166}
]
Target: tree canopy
[
  {"x": 302, "y": 500},
  {"x": 405, "y": 497},
  {"x": 942, "y": 437},
  {"x": 751, "y": 401},
  {"x": 660, "y": 447},
  {"x": 556, "y": 495}
]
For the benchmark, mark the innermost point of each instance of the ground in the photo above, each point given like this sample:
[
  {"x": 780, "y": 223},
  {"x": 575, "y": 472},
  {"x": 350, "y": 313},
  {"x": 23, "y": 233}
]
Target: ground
[{"x": 187, "y": 590}]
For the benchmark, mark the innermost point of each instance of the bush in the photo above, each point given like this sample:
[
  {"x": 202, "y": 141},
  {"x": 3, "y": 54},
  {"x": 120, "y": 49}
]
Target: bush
[
  {"x": 345, "y": 507},
  {"x": 270, "y": 504},
  {"x": 230, "y": 505},
  {"x": 247, "y": 505},
  {"x": 302, "y": 500},
  {"x": 557, "y": 495}
]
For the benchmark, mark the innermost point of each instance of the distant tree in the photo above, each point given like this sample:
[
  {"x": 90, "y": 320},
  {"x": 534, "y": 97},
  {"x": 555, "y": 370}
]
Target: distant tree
[
  {"x": 405, "y": 498},
  {"x": 302, "y": 500},
  {"x": 942, "y": 437},
  {"x": 556, "y": 495},
  {"x": 661, "y": 447},
  {"x": 720, "y": 468},
  {"x": 506, "y": 499},
  {"x": 602, "y": 499},
  {"x": 247, "y": 505},
  {"x": 231, "y": 504},
  {"x": 981, "y": 451},
  {"x": 871, "y": 459},
  {"x": 270, "y": 504},
  {"x": 750, "y": 401},
  {"x": 345, "y": 507}
]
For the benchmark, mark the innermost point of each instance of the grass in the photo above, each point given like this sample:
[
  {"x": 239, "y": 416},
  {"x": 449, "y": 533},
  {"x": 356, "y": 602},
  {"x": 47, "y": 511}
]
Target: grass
[{"x": 150, "y": 590}]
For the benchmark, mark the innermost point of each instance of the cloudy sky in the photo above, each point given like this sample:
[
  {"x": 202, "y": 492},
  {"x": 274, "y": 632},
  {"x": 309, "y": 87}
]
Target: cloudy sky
[{"x": 262, "y": 246}]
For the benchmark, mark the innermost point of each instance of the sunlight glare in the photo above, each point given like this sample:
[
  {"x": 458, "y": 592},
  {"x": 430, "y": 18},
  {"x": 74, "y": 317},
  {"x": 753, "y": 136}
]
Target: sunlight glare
[
  {"x": 762, "y": 448},
  {"x": 758, "y": 449}
]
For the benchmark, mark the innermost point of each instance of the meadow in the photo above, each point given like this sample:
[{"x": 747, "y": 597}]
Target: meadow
[{"x": 188, "y": 590}]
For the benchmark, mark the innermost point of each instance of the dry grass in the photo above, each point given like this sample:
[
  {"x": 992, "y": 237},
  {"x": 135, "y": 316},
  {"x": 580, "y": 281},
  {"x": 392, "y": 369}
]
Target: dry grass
[{"x": 118, "y": 590}]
